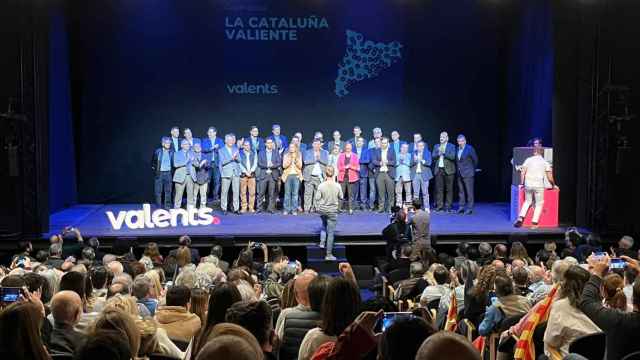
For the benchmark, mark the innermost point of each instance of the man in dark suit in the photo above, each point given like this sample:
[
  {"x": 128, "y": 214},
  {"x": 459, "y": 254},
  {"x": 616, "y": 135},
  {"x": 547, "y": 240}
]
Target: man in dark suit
[
  {"x": 417, "y": 138},
  {"x": 337, "y": 140},
  {"x": 444, "y": 170},
  {"x": 269, "y": 163},
  {"x": 421, "y": 172},
  {"x": 256, "y": 142},
  {"x": 357, "y": 132},
  {"x": 384, "y": 165},
  {"x": 202, "y": 164},
  {"x": 396, "y": 143},
  {"x": 176, "y": 141},
  {"x": 467, "y": 161},
  {"x": 315, "y": 161},
  {"x": 210, "y": 146},
  {"x": 364, "y": 158},
  {"x": 248, "y": 167},
  {"x": 161, "y": 166}
]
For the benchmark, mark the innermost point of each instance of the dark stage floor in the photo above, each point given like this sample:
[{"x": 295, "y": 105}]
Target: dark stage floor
[{"x": 490, "y": 222}]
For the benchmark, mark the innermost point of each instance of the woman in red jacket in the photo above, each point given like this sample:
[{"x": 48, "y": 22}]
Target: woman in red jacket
[{"x": 348, "y": 175}]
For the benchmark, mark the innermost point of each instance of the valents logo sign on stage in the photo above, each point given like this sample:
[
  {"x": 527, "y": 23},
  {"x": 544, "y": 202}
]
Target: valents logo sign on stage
[{"x": 161, "y": 218}]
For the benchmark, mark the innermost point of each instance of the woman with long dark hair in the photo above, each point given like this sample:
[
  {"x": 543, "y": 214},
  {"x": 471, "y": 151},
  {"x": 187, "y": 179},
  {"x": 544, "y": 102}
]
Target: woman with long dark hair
[
  {"x": 340, "y": 306},
  {"x": 221, "y": 298},
  {"x": 20, "y": 325}
]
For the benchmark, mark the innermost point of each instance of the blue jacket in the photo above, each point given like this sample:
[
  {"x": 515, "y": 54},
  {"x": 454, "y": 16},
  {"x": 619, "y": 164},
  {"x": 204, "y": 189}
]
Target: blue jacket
[
  {"x": 365, "y": 159},
  {"x": 425, "y": 162},
  {"x": 284, "y": 143},
  {"x": 396, "y": 146},
  {"x": 156, "y": 160},
  {"x": 376, "y": 160},
  {"x": 467, "y": 162},
  {"x": 212, "y": 148},
  {"x": 276, "y": 165},
  {"x": 183, "y": 166},
  {"x": 253, "y": 163},
  {"x": 175, "y": 143},
  {"x": 228, "y": 166}
]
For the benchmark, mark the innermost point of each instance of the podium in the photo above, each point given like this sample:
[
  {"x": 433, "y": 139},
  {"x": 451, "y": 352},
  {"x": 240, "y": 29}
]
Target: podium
[{"x": 549, "y": 216}]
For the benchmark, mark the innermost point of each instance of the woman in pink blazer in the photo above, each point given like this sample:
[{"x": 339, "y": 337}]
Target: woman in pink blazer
[{"x": 348, "y": 175}]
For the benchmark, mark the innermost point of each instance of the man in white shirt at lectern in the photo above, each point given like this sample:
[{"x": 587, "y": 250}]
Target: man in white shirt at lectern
[{"x": 533, "y": 172}]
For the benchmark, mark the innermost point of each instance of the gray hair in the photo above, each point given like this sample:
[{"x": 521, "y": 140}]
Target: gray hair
[
  {"x": 55, "y": 249},
  {"x": 485, "y": 248},
  {"x": 558, "y": 269},
  {"x": 141, "y": 287},
  {"x": 628, "y": 239}
]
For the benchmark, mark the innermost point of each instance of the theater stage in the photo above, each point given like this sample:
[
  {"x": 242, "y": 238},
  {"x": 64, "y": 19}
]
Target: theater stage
[{"x": 490, "y": 222}]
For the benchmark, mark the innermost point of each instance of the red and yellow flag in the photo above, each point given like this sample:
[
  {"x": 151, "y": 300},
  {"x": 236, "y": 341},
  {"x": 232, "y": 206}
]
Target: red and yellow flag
[
  {"x": 452, "y": 314},
  {"x": 525, "y": 349}
]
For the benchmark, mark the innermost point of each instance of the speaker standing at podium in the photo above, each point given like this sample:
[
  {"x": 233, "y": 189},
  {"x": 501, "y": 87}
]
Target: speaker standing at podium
[{"x": 532, "y": 175}]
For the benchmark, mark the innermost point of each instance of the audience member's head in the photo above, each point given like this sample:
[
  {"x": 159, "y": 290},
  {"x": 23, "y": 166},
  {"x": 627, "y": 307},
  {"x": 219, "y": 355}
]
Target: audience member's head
[
  {"x": 105, "y": 345},
  {"x": 503, "y": 285},
  {"x": 36, "y": 282},
  {"x": 112, "y": 319},
  {"x": 416, "y": 269},
  {"x": 230, "y": 342},
  {"x": 256, "y": 317},
  {"x": 485, "y": 249},
  {"x": 222, "y": 297},
  {"x": 179, "y": 296},
  {"x": 316, "y": 290},
  {"x": 20, "y": 337},
  {"x": 141, "y": 287},
  {"x": 301, "y": 286},
  {"x": 626, "y": 242},
  {"x": 441, "y": 275},
  {"x": 520, "y": 276},
  {"x": 574, "y": 279},
  {"x": 500, "y": 251},
  {"x": 612, "y": 292},
  {"x": 406, "y": 250},
  {"x": 115, "y": 267},
  {"x": 66, "y": 308},
  {"x": 558, "y": 269},
  {"x": 447, "y": 345},
  {"x": 403, "y": 338},
  {"x": 199, "y": 303},
  {"x": 74, "y": 281},
  {"x": 340, "y": 306}
]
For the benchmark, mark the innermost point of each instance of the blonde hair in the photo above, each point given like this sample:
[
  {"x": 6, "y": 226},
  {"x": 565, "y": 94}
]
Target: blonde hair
[
  {"x": 200, "y": 304},
  {"x": 156, "y": 285},
  {"x": 125, "y": 303},
  {"x": 119, "y": 320},
  {"x": 183, "y": 256},
  {"x": 238, "y": 332}
]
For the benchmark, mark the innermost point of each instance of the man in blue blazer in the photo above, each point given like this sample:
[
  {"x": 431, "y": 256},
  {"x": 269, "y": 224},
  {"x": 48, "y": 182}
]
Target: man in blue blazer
[
  {"x": 228, "y": 162},
  {"x": 254, "y": 139},
  {"x": 210, "y": 146},
  {"x": 162, "y": 166},
  {"x": 280, "y": 142},
  {"x": 364, "y": 158},
  {"x": 269, "y": 170},
  {"x": 444, "y": 170},
  {"x": 184, "y": 174},
  {"x": 467, "y": 161},
  {"x": 314, "y": 162},
  {"x": 384, "y": 164},
  {"x": 396, "y": 143},
  {"x": 421, "y": 172}
]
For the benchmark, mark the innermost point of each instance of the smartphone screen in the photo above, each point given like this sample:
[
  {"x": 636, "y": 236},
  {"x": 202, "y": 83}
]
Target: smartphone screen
[
  {"x": 389, "y": 318},
  {"x": 10, "y": 294},
  {"x": 617, "y": 263}
]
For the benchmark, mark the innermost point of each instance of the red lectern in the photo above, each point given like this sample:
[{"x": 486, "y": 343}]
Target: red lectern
[{"x": 549, "y": 216}]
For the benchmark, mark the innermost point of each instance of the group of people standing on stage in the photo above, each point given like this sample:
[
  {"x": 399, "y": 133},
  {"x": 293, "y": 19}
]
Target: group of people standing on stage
[{"x": 372, "y": 175}]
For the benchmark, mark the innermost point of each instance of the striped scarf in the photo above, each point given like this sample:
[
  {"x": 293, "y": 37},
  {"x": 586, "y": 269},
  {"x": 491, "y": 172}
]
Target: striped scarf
[
  {"x": 525, "y": 349},
  {"x": 452, "y": 314}
]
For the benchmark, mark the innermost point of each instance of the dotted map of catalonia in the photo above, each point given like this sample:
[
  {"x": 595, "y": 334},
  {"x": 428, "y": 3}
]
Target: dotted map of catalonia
[{"x": 364, "y": 59}]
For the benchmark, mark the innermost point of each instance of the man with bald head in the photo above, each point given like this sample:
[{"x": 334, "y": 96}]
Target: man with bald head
[
  {"x": 301, "y": 318},
  {"x": 66, "y": 309}
]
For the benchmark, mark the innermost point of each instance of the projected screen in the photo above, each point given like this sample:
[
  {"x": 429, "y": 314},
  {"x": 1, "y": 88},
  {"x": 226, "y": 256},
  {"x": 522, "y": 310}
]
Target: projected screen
[{"x": 141, "y": 67}]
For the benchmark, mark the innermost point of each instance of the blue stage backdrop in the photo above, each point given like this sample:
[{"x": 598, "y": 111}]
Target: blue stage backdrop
[{"x": 141, "y": 67}]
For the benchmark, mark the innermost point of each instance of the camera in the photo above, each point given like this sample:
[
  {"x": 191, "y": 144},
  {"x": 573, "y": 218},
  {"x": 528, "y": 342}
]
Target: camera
[
  {"x": 10, "y": 294},
  {"x": 389, "y": 318}
]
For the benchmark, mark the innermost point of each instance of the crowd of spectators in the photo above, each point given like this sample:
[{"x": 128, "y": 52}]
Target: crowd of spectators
[{"x": 83, "y": 301}]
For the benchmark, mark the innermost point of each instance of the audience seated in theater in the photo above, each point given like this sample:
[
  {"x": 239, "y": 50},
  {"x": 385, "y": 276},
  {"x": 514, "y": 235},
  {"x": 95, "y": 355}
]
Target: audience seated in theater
[
  {"x": 20, "y": 324},
  {"x": 105, "y": 345},
  {"x": 435, "y": 292},
  {"x": 66, "y": 309},
  {"x": 520, "y": 277},
  {"x": 402, "y": 261},
  {"x": 613, "y": 293},
  {"x": 414, "y": 286},
  {"x": 519, "y": 252},
  {"x": 230, "y": 342}
]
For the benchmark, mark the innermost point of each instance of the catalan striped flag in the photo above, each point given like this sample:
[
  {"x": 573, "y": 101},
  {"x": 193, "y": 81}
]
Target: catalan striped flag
[
  {"x": 525, "y": 349},
  {"x": 452, "y": 314}
]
